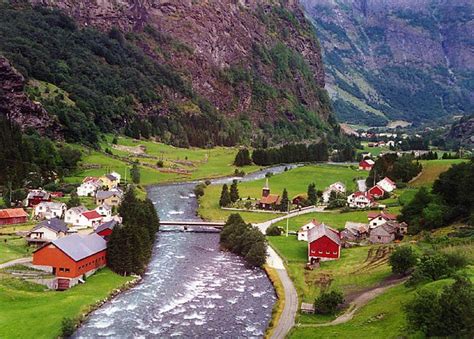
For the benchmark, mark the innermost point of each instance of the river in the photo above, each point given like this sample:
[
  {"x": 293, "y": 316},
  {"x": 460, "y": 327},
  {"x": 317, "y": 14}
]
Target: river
[{"x": 191, "y": 288}]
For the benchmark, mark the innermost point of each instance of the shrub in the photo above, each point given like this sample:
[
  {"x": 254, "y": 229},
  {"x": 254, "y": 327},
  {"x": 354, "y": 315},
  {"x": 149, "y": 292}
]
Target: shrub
[
  {"x": 431, "y": 267},
  {"x": 68, "y": 326},
  {"x": 273, "y": 230},
  {"x": 328, "y": 302},
  {"x": 159, "y": 164},
  {"x": 403, "y": 259},
  {"x": 199, "y": 190}
]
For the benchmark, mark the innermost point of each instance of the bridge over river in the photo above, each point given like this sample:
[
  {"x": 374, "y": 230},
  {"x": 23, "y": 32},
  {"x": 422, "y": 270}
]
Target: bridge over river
[{"x": 188, "y": 223}]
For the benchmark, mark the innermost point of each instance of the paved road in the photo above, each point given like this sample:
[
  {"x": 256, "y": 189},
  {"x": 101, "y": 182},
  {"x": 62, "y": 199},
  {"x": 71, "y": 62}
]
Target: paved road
[
  {"x": 287, "y": 319},
  {"x": 16, "y": 262},
  {"x": 362, "y": 185}
]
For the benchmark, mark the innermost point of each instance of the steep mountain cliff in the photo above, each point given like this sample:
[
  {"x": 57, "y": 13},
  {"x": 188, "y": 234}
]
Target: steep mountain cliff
[
  {"x": 189, "y": 72},
  {"x": 397, "y": 59}
]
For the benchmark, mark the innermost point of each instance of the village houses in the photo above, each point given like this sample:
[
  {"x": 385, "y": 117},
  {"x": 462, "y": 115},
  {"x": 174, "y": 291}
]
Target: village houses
[
  {"x": 105, "y": 211},
  {"x": 387, "y": 185},
  {"x": 376, "y": 191},
  {"x": 87, "y": 219},
  {"x": 11, "y": 216},
  {"x": 110, "y": 181},
  {"x": 71, "y": 258},
  {"x": 379, "y": 218},
  {"x": 387, "y": 232},
  {"x": 354, "y": 231},
  {"x": 112, "y": 197},
  {"x": 324, "y": 243},
  {"x": 89, "y": 187},
  {"x": 337, "y": 187},
  {"x": 360, "y": 200},
  {"x": 73, "y": 214},
  {"x": 49, "y": 210},
  {"x": 366, "y": 164},
  {"x": 46, "y": 231}
]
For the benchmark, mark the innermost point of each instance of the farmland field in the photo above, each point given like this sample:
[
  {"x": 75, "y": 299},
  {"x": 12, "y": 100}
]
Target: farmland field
[
  {"x": 432, "y": 169},
  {"x": 13, "y": 247}
]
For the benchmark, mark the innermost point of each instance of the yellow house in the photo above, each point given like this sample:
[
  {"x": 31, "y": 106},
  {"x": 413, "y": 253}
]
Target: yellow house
[
  {"x": 111, "y": 198},
  {"x": 110, "y": 181}
]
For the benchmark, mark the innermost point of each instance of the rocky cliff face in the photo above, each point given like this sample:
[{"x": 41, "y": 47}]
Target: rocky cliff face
[
  {"x": 463, "y": 132},
  {"x": 397, "y": 59},
  {"x": 15, "y": 105},
  {"x": 249, "y": 58}
]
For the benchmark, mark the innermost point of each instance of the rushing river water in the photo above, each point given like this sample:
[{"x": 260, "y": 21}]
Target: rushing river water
[{"x": 191, "y": 288}]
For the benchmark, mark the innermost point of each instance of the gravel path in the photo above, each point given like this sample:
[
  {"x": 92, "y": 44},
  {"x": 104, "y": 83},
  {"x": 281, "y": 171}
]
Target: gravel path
[{"x": 16, "y": 262}]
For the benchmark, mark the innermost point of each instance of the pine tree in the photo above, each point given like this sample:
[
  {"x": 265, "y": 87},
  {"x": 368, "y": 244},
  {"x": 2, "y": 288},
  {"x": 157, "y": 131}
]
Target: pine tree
[
  {"x": 242, "y": 158},
  {"x": 74, "y": 201},
  {"x": 284, "y": 204},
  {"x": 234, "y": 191},
  {"x": 312, "y": 194},
  {"x": 135, "y": 173},
  {"x": 224, "y": 201}
]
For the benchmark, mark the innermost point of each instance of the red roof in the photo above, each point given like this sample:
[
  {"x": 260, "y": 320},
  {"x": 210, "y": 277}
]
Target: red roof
[
  {"x": 270, "y": 199},
  {"x": 92, "y": 215},
  {"x": 87, "y": 179},
  {"x": 12, "y": 213}
]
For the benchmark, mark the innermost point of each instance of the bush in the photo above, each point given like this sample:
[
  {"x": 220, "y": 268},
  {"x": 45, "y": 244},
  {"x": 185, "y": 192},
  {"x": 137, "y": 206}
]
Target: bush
[
  {"x": 68, "y": 326},
  {"x": 199, "y": 190},
  {"x": 431, "y": 267},
  {"x": 159, "y": 164},
  {"x": 273, "y": 230},
  {"x": 328, "y": 302},
  {"x": 403, "y": 259}
]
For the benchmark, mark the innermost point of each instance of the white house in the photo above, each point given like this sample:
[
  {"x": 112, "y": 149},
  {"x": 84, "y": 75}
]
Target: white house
[
  {"x": 387, "y": 185},
  {"x": 46, "y": 231},
  {"x": 337, "y": 187},
  {"x": 303, "y": 231},
  {"x": 105, "y": 211},
  {"x": 88, "y": 219},
  {"x": 379, "y": 218},
  {"x": 73, "y": 214},
  {"x": 360, "y": 200},
  {"x": 88, "y": 189},
  {"x": 118, "y": 176},
  {"x": 49, "y": 210}
]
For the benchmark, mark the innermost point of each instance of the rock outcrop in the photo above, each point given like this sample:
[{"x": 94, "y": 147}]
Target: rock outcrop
[{"x": 16, "y": 106}]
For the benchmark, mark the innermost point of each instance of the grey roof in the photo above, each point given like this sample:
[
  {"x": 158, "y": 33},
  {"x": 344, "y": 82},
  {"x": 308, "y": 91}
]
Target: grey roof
[
  {"x": 109, "y": 224},
  {"x": 319, "y": 231},
  {"x": 79, "y": 246},
  {"x": 358, "y": 226},
  {"x": 111, "y": 177},
  {"x": 79, "y": 209},
  {"x": 107, "y": 194},
  {"x": 54, "y": 224},
  {"x": 52, "y": 205}
]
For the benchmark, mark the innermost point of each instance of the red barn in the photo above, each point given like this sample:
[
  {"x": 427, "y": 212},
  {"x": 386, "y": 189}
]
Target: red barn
[
  {"x": 36, "y": 196},
  {"x": 324, "y": 243},
  {"x": 72, "y": 256},
  {"x": 377, "y": 192},
  {"x": 11, "y": 216},
  {"x": 105, "y": 230},
  {"x": 366, "y": 164}
]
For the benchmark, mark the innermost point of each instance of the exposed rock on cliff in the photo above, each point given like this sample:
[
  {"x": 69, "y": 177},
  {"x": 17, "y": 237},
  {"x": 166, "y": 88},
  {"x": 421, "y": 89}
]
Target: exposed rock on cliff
[
  {"x": 15, "y": 105},
  {"x": 397, "y": 59}
]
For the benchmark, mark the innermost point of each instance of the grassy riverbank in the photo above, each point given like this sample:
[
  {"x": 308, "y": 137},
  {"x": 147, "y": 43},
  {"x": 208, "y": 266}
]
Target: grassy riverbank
[
  {"x": 28, "y": 311},
  {"x": 280, "y": 302}
]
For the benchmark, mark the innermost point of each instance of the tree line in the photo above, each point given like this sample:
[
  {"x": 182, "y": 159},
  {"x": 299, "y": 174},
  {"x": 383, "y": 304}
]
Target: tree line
[
  {"x": 130, "y": 245},
  {"x": 245, "y": 240},
  {"x": 400, "y": 169}
]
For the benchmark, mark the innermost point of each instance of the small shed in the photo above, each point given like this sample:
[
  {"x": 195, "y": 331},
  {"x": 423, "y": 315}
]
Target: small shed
[{"x": 307, "y": 308}]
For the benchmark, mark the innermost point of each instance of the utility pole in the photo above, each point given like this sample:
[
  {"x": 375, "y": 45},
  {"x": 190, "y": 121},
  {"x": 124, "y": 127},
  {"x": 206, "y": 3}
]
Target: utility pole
[{"x": 287, "y": 218}]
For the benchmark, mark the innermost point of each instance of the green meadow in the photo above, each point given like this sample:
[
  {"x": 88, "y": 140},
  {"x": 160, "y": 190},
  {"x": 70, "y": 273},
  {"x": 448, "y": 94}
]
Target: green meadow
[{"x": 28, "y": 311}]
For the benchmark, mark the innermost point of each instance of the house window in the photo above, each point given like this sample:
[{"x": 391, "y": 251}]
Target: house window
[
  {"x": 328, "y": 252},
  {"x": 320, "y": 252},
  {"x": 379, "y": 237},
  {"x": 335, "y": 253},
  {"x": 61, "y": 269},
  {"x": 67, "y": 270}
]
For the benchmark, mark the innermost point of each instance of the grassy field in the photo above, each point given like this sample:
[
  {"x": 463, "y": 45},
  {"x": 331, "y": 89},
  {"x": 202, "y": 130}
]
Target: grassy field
[
  {"x": 432, "y": 169},
  {"x": 13, "y": 247},
  {"x": 28, "y": 311},
  {"x": 295, "y": 181}
]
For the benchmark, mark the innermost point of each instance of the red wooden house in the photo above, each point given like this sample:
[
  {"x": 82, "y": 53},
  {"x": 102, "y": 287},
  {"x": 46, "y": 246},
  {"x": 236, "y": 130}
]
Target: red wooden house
[
  {"x": 11, "y": 216},
  {"x": 72, "y": 256},
  {"x": 376, "y": 191},
  {"x": 36, "y": 196},
  {"x": 366, "y": 164},
  {"x": 324, "y": 243},
  {"x": 105, "y": 229}
]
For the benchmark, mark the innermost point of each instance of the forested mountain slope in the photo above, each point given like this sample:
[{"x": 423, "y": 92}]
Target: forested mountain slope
[
  {"x": 397, "y": 59},
  {"x": 189, "y": 72}
]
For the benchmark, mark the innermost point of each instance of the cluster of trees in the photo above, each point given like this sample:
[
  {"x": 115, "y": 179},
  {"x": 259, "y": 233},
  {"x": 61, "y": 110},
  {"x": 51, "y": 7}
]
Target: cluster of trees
[
  {"x": 450, "y": 199},
  {"x": 130, "y": 244},
  {"x": 428, "y": 156},
  {"x": 229, "y": 196},
  {"x": 31, "y": 160},
  {"x": 399, "y": 169},
  {"x": 245, "y": 240},
  {"x": 328, "y": 302},
  {"x": 242, "y": 158},
  {"x": 291, "y": 153},
  {"x": 135, "y": 173}
]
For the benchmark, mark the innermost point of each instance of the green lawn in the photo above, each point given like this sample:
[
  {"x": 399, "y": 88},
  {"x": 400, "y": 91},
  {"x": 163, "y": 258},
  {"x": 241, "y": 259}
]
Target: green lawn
[
  {"x": 28, "y": 311},
  {"x": 295, "y": 181},
  {"x": 13, "y": 247},
  {"x": 432, "y": 169}
]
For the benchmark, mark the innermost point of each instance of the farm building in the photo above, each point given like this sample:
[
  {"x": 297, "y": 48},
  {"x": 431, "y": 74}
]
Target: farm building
[
  {"x": 324, "y": 243},
  {"x": 11, "y": 216},
  {"x": 89, "y": 188},
  {"x": 49, "y": 210},
  {"x": 111, "y": 198},
  {"x": 72, "y": 257},
  {"x": 379, "y": 218},
  {"x": 366, "y": 164},
  {"x": 303, "y": 231},
  {"x": 387, "y": 184},
  {"x": 105, "y": 229},
  {"x": 46, "y": 231},
  {"x": 376, "y": 191},
  {"x": 268, "y": 201},
  {"x": 299, "y": 199},
  {"x": 34, "y": 197},
  {"x": 387, "y": 232},
  {"x": 337, "y": 187},
  {"x": 354, "y": 231}
]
